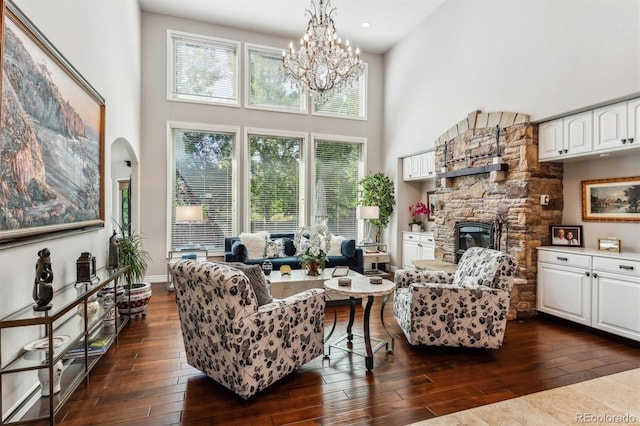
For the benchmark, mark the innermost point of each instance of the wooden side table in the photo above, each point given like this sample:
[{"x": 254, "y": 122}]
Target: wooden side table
[{"x": 361, "y": 287}]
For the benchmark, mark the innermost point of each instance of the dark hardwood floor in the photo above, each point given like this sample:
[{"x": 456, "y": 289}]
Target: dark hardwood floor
[{"x": 146, "y": 379}]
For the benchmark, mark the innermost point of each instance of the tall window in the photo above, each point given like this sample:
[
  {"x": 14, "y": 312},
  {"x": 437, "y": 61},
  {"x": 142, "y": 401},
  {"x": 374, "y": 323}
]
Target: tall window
[
  {"x": 276, "y": 179},
  {"x": 349, "y": 103},
  {"x": 202, "y": 69},
  {"x": 266, "y": 85},
  {"x": 124, "y": 189},
  {"x": 338, "y": 168},
  {"x": 203, "y": 176}
]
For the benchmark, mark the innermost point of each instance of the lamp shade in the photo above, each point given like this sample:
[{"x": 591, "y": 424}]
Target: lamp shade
[
  {"x": 367, "y": 212},
  {"x": 188, "y": 213}
]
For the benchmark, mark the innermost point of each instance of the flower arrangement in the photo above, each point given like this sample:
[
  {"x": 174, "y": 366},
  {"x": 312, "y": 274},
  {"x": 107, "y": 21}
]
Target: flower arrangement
[
  {"x": 312, "y": 245},
  {"x": 417, "y": 210}
]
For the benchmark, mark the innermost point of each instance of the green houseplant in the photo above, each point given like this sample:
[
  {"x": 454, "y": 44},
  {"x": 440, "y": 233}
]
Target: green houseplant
[
  {"x": 377, "y": 190},
  {"x": 137, "y": 293}
]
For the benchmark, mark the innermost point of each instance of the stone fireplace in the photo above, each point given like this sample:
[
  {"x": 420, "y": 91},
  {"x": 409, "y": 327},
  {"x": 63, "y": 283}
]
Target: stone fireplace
[{"x": 489, "y": 174}]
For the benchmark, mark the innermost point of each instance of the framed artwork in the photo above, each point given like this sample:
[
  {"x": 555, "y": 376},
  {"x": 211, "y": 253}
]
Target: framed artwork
[
  {"x": 611, "y": 200},
  {"x": 52, "y": 139},
  {"x": 431, "y": 204},
  {"x": 566, "y": 235}
]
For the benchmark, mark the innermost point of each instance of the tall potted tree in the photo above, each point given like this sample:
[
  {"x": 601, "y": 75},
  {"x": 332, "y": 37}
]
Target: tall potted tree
[
  {"x": 137, "y": 293},
  {"x": 377, "y": 190}
]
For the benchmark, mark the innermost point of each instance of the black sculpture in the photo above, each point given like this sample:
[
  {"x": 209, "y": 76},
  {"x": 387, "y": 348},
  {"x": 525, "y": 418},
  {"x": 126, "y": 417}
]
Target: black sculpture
[
  {"x": 113, "y": 262},
  {"x": 42, "y": 288}
]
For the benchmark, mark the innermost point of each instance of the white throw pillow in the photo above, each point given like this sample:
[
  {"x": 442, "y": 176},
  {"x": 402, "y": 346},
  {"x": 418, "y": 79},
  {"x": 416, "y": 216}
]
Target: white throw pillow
[
  {"x": 275, "y": 248},
  {"x": 256, "y": 243},
  {"x": 336, "y": 245}
]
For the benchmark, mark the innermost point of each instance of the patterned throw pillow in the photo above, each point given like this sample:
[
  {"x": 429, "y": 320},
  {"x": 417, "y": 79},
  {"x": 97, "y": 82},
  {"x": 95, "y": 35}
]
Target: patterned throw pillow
[
  {"x": 275, "y": 248},
  {"x": 261, "y": 287}
]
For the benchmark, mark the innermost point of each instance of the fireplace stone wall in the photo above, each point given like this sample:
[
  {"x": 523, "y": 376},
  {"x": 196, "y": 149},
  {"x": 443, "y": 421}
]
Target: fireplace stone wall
[{"x": 489, "y": 172}]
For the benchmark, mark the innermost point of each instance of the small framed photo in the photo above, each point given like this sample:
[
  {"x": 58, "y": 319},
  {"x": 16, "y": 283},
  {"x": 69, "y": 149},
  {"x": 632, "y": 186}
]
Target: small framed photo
[
  {"x": 566, "y": 235},
  {"x": 609, "y": 244}
]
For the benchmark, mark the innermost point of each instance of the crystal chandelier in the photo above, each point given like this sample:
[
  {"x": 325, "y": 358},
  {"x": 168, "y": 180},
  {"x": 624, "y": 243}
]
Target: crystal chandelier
[{"x": 322, "y": 65}]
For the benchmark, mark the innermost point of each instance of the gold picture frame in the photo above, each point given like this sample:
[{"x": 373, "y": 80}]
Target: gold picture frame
[
  {"x": 611, "y": 200},
  {"x": 609, "y": 244}
]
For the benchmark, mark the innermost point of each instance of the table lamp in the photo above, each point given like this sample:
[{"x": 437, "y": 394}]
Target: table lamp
[
  {"x": 367, "y": 213},
  {"x": 189, "y": 214}
]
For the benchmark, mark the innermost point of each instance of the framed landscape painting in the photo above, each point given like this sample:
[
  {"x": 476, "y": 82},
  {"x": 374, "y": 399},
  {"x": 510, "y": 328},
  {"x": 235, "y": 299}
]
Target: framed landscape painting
[
  {"x": 52, "y": 139},
  {"x": 611, "y": 200}
]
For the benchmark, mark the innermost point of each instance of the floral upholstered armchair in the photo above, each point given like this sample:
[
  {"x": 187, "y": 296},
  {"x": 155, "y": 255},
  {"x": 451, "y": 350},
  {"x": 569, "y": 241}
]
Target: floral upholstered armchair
[
  {"x": 227, "y": 336},
  {"x": 467, "y": 307}
]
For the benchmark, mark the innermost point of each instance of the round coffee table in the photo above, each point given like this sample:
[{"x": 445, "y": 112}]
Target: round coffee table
[{"x": 361, "y": 287}]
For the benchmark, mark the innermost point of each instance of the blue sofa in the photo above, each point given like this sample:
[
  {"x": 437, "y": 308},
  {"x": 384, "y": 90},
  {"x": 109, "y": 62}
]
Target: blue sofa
[{"x": 351, "y": 256}]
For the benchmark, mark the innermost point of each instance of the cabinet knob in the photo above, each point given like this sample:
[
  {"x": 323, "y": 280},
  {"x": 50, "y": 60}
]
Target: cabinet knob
[
  {"x": 587, "y": 274},
  {"x": 595, "y": 275},
  {"x": 560, "y": 151},
  {"x": 624, "y": 141},
  {"x": 566, "y": 150},
  {"x": 630, "y": 140}
]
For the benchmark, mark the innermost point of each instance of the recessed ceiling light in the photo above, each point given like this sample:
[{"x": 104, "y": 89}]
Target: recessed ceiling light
[{"x": 365, "y": 25}]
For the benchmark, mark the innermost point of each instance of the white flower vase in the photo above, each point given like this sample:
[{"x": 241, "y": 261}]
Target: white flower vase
[
  {"x": 415, "y": 227},
  {"x": 43, "y": 376}
]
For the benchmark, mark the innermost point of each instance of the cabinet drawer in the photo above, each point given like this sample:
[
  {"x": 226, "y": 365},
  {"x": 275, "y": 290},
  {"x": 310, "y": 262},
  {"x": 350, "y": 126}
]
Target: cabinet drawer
[
  {"x": 427, "y": 239},
  {"x": 406, "y": 236},
  {"x": 569, "y": 259},
  {"x": 618, "y": 266}
]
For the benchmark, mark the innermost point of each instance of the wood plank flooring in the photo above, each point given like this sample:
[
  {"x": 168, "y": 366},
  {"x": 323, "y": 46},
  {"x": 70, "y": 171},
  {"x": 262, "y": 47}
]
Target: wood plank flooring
[{"x": 146, "y": 380}]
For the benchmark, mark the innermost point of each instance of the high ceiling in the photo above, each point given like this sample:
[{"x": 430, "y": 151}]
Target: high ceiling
[{"x": 390, "y": 20}]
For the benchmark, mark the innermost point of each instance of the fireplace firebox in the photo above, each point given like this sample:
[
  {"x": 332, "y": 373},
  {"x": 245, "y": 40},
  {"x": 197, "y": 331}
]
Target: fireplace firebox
[{"x": 473, "y": 234}]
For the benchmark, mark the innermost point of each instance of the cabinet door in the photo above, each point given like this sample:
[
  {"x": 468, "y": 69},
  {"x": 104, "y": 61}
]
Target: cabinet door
[
  {"x": 428, "y": 166},
  {"x": 550, "y": 144},
  {"x": 565, "y": 292},
  {"x": 410, "y": 252},
  {"x": 416, "y": 167},
  {"x": 610, "y": 127},
  {"x": 615, "y": 304},
  {"x": 406, "y": 168},
  {"x": 578, "y": 133},
  {"x": 633, "y": 110}
]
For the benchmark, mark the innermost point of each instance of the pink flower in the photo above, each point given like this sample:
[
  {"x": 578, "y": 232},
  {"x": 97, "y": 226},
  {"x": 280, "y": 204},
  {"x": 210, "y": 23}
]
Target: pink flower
[{"x": 417, "y": 210}]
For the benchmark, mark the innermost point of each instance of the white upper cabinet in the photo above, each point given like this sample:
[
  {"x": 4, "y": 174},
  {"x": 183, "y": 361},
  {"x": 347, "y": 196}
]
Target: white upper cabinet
[
  {"x": 419, "y": 166},
  {"x": 550, "y": 140},
  {"x": 591, "y": 133},
  {"x": 610, "y": 127},
  {"x": 578, "y": 133},
  {"x": 565, "y": 137}
]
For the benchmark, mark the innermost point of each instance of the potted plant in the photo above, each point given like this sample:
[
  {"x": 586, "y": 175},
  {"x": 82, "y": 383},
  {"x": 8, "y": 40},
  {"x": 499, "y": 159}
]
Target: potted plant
[
  {"x": 137, "y": 293},
  {"x": 417, "y": 211},
  {"x": 377, "y": 190}
]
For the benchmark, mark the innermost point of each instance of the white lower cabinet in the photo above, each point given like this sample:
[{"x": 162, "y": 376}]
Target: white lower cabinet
[
  {"x": 417, "y": 246},
  {"x": 616, "y": 297},
  {"x": 591, "y": 288}
]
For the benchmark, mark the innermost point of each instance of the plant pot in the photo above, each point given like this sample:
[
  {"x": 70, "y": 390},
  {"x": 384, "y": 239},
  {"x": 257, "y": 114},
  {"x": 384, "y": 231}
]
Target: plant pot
[
  {"x": 139, "y": 296},
  {"x": 313, "y": 268},
  {"x": 416, "y": 227}
]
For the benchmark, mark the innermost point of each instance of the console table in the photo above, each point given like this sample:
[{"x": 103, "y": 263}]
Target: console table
[{"x": 68, "y": 326}]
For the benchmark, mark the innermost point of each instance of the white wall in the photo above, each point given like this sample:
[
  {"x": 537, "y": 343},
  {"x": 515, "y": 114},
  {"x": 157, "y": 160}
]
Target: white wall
[
  {"x": 101, "y": 39},
  {"x": 601, "y": 168},
  {"x": 538, "y": 57},
  {"x": 157, "y": 110}
]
